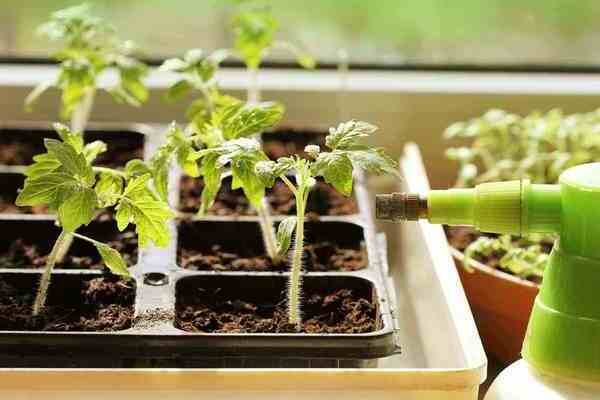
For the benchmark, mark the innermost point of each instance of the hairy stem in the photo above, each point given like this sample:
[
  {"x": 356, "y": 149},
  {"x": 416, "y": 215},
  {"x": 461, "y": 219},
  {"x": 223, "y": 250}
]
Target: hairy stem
[
  {"x": 81, "y": 114},
  {"x": 295, "y": 282},
  {"x": 268, "y": 232},
  {"x": 253, "y": 94},
  {"x": 42, "y": 293}
]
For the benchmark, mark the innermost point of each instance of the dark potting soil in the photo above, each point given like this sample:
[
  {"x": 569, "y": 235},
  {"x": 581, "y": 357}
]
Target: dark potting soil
[
  {"x": 323, "y": 200},
  {"x": 319, "y": 257},
  {"x": 289, "y": 142},
  {"x": 17, "y": 147},
  {"x": 22, "y": 254},
  {"x": 103, "y": 304},
  {"x": 460, "y": 237},
  {"x": 324, "y": 311}
]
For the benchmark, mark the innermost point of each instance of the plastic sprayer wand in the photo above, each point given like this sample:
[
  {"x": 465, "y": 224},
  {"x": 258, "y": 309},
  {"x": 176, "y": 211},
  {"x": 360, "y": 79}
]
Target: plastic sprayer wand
[{"x": 563, "y": 336}]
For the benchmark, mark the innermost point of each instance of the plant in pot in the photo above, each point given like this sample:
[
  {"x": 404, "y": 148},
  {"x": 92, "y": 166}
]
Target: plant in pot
[
  {"x": 65, "y": 180},
  {"x": 217, "y": 304},
  {"x": 90, "y": 47},
  {"x": 501, "y": 272},
  {"x": 207, "y": 116}
]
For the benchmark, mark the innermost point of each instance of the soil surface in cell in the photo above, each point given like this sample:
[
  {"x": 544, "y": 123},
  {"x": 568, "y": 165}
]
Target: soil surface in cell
[
  {"x": 323, "y": 200},
  {"x": 24, "y": 254},
  {"x": 19, "y": 148},
  {"x": 324, "y": 311},
  {"x": 288, "y": 142},
  {"x": 461, "y": 237},
  {"x": 318, "y": 257},
  {"x": 103, "y": 304}
]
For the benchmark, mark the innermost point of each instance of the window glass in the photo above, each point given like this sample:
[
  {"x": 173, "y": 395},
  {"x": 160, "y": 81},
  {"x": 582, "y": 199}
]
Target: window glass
[{"x": 381, "y": 32}]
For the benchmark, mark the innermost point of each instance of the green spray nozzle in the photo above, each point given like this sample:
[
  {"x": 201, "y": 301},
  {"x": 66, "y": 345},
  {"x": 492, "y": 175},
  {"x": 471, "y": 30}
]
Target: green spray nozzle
[{"x": 563, "y": 335}]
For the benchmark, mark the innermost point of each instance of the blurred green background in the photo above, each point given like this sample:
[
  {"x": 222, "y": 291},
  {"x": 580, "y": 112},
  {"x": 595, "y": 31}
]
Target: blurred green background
[{"x": 389, "y": 32}]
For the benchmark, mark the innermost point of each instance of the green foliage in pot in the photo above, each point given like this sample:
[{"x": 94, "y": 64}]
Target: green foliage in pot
[
  {"x": 336, "y": 166},
  {"x": 255, "y": 31},
  {"x": 506, "y": 146},
  {"x": 90, "y": 47},
  {"x": 65, "y": 180},
  {"x": 222, "y": 146}
]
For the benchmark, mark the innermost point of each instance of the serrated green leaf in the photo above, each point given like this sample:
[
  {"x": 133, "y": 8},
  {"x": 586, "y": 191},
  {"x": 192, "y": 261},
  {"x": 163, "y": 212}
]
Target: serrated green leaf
[
  {"x": 92, "y": 150},
  {"x": 108, "y": 189},
  {"x": 136, "y": 167},
  {"x": 43, "y": 164},
  {"x": 336, "y": 169},
  {"x": 243, "y": 175},
  {"x": 74, "y": 139},
  {"x": 254, "y": 31},
  {"x": 285, "y": 232},
  {"x": 238, "y": 120},
  {"x": 77, "y": 208},
  {"x": 212, "y": 175},
  {"x": 113, "y": 260},
  {"x": 374, "y": 161},
  {"x": 74, "y": 163},
  {"x": 178, "y": 90},
  {"x": 347, "y": 134},
  {"x": 139, "y": 205},
  {"x": 44, "y": 189}
]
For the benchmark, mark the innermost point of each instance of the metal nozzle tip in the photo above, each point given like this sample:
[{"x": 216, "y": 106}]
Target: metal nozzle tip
[{"x": 400, "y": 206}]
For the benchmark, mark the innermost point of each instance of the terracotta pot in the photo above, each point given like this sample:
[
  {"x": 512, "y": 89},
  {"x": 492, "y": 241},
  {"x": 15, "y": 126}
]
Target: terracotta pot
[{"x": 501, "y": 304}]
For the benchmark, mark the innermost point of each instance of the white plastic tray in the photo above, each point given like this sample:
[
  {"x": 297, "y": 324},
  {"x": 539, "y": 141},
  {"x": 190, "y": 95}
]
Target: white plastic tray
[{"x": 442, "y": 356}]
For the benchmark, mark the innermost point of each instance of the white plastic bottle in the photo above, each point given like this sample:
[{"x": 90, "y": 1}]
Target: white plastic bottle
[{"x": 520, "y": 381}]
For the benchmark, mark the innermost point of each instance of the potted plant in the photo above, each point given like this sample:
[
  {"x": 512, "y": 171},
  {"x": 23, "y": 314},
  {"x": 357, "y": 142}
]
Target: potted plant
[
  {"x": 501, "y": 273},
  {"x": 90, "y": 47},
  {"x": 65, "y": 181}
]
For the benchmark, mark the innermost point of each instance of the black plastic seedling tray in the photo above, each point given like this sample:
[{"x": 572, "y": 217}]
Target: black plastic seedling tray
[{"x": 153, "y": 339}]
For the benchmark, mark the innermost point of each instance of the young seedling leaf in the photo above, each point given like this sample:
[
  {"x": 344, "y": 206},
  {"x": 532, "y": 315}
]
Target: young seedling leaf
[
  {"x": 109, "y": 189},
  {"x": 92, "y": 150},
  {"x": 285, "y": 232},
  {"x": 239, "y": 120},
  {"x": 74, "y": 163},
  {"x": 138, "y": 205},
  {"x": 336, "y": 169},
  {"x": 113, "y": 260},
  {"x": 254, "y": 31},
  {"x": 346, "y": 135},
  {"x": 77, "y": 208},
  {"x": 43, "y": 189}
]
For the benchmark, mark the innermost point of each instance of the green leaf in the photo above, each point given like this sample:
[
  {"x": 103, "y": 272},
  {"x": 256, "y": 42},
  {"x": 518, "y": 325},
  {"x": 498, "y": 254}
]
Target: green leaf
[
  {"x": 336, "y": 169},
  {"x": 109, "y": 189},
  {"x": 112, "y": 259},
  {"x": 347, "y": 134},
  {"x": 43, "y": 189},
  {"x": 178, "y": 90},
  {"x": 254, "y": 31},
  {"x": 77, "y": 208},
  {"x": 239, "y": 120},
  {"x": 243, "y": 175},
  {"x": 74, "y": 163},
  {"x": 43, "y": 164},
  {"x": 136, "y": 167},
  {"x": 92, "y": 150},
  {"x": 285, "y": 232},
  {"x": 138, "y": 205},
  {"x": 74, "y": 139},
  {"x": 212, "y": 175},
  {"x": 374, "y": 161}
]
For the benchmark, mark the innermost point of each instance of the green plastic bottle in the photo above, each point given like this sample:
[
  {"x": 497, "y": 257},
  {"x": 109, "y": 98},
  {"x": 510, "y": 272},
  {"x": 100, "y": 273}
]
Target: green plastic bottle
[{"x": 562, "y": 344}]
